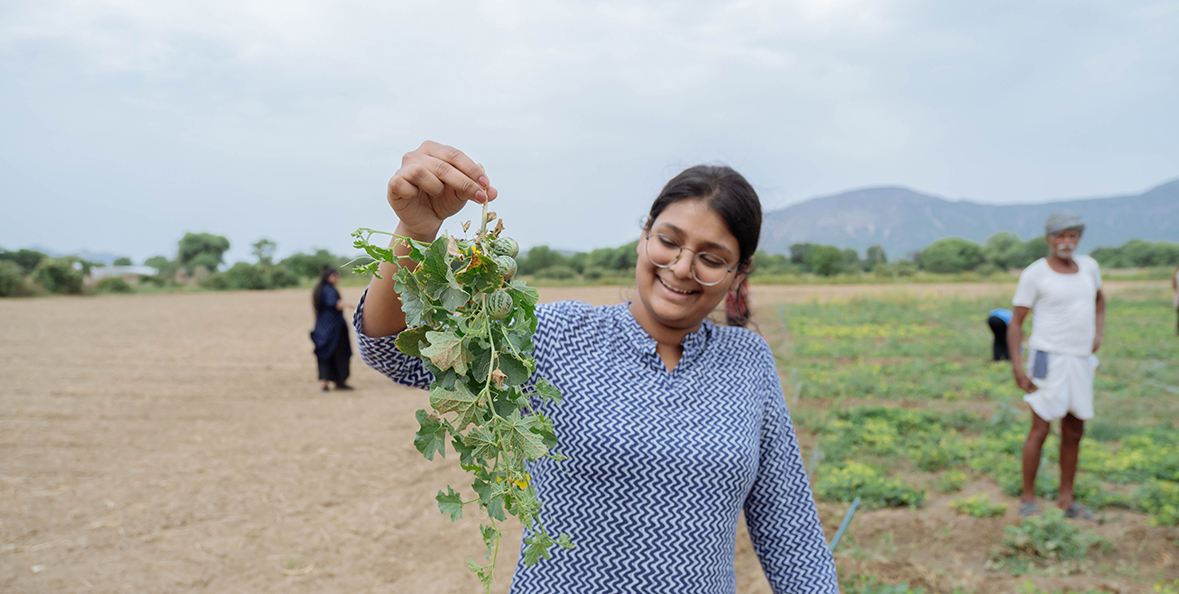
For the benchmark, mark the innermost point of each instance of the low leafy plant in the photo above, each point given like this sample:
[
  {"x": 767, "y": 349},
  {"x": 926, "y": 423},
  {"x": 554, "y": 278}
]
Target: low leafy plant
[
  {"x": 1160, "y": 499},
  {"x": 854, "y": 479},
  {"x": 472, "y": 327},
  {"x": 861, "y": 584},
  {"x": 952, "y": 480},
  {"x": 1048, "y": 542},
  {"x": 978, "y": 506}
]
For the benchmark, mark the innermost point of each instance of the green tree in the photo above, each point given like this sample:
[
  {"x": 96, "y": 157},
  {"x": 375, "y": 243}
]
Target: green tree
[
  {"x": 124, "y": 261},
  {"x": 824, "y": 260},
  {"x": 12, "y": 279},
  {"x": 952, "y": 254},
  {"x": 59, "y": 275},
  {"x": 1032, "y": 250},
  {"x": 201, "y": 249},
  {"x": 26, "y": 259},
  {"x": 309, "y": 265},
  {"x": 263, "y": 250},
  {"x": 851, "y": 259},
  {"x": 875, "y": 255},
  {"x": 1004, "y": 250},
  {"x": 165, "y": 268},
  {"x": 539, "y": 258},
  {"x": 799, "y": 251}
]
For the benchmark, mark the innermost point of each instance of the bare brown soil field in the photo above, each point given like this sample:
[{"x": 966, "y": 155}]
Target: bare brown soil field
[{"x": 180, "y": 443}]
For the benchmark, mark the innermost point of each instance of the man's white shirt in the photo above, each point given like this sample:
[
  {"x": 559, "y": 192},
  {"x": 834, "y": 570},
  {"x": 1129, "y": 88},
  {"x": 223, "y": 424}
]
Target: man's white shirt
[{"x": 1064, "y": 306}]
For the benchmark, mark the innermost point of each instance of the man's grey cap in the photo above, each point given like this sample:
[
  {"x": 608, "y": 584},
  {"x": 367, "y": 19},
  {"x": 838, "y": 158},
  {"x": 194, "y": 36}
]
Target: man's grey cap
[{"x": 1063, "y": 220}]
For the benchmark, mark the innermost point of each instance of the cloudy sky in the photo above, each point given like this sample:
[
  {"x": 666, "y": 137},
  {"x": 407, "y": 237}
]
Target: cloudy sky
[{"x": 127, "y": 123}]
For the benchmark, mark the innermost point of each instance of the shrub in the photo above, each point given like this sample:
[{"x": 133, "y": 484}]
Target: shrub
[
  {"x": 113, "y": 284},
  {"x": 12, "y": 279},
  {"x": 59, "y": 276},
  {"x": 978, "y": 506},
  {"x": 560, "y": 272},
  {"x": 905, "y": 268},
  {"x": 26, "y": 259},
  {"x": 1046, "y": 541}
]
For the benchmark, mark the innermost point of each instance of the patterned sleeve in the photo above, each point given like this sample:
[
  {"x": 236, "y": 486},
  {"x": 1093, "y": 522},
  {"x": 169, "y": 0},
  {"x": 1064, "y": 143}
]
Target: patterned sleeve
[
  {"x": 381, "y": 354},
  {"x": 780, "y": 509}
]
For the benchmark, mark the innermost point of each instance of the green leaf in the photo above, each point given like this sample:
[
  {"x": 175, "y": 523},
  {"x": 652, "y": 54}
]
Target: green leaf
[
  {"x": 446, "y": 351},
  {"x": 409, "y": 341},
  {"x": 453, "y": 298},
  {"x": 524, "y": 295},
  {"x": 459, "y": 400},
  {"x": 482, "y": 441},
  {"x": 466, "y": 453},
  {"x": 538, "y": 548},
  {"x": 565, "y": 542},
  {"x": 517, "y": 370},
  {"x": 490, "y": 535},
  {"x": 431, "y": 436},
  {"x": 519, "y": 437},
  {"x": 450, "y": 503},
  {"x": 547, "y": 391},
  {"x": 414, "y": 301},
  {"x": 481, "y": 276}
]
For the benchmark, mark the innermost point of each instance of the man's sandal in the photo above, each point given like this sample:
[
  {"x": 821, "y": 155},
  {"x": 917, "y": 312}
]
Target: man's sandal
[
  {"x": 1028, "y": 509},
  {"x": 1080, "y": 512}
]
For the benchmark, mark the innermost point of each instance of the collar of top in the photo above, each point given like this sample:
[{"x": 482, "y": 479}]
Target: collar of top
[{"x": 634, "y": 335}]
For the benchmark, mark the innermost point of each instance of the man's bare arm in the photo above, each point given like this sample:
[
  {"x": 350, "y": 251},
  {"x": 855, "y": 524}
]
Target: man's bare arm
[{"x": 1014, "y": 340}]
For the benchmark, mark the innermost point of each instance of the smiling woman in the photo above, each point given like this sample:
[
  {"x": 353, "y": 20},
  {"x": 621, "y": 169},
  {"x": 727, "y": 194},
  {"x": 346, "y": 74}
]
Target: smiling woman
[{"x": 672, "y": 425}]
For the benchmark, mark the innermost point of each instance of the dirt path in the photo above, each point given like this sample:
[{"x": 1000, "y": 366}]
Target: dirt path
[{"x": 179, "y": 443}]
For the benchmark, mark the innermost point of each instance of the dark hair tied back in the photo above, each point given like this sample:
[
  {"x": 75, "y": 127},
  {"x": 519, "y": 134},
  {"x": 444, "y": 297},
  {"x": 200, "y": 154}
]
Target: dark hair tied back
[
  {"x": 317, "y": 293},
  {"x": 730, "y": 196}
]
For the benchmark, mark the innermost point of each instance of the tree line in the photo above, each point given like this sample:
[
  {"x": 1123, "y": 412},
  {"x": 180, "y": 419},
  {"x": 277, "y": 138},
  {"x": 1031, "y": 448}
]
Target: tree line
[
  {"x": 200, "y": 257},
  {"x": 198, "y": 261}
]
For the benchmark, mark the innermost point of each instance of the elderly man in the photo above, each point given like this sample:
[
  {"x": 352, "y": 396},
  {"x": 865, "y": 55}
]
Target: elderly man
[{"x": 1064, "y": 291}]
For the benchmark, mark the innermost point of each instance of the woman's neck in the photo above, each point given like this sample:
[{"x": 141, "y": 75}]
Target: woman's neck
[{"x": 664, "y": 336}]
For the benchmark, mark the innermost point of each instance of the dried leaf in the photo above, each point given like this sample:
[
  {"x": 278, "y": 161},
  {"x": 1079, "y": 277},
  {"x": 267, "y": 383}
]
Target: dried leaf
[
  {"x": 498, "y": 377},
  {"x": 466, "y": 226}
]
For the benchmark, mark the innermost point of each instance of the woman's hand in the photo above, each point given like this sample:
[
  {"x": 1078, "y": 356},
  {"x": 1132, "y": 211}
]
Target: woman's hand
[{"x": 435, "y": 182}]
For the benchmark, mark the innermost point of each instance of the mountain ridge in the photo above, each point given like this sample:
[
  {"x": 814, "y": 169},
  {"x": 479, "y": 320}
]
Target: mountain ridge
[{"x": 903, "y": 220}]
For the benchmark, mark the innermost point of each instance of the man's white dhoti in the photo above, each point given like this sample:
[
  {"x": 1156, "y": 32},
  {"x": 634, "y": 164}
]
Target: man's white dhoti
[{"x": 1067, "y": 388}]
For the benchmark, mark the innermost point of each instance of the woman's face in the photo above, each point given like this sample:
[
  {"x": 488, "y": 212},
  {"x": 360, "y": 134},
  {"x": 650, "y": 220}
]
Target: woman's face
[
  {"x": 334, "y": 278},
  {"x": 671, "y": 296}
]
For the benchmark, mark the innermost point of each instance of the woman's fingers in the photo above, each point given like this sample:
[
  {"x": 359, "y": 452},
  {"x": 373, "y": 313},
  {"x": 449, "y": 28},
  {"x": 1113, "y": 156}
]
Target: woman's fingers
[{"x": 457, "y": 159}]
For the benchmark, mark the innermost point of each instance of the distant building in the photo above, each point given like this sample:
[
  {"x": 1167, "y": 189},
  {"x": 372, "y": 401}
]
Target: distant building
[{"x": 128, "y": 273}]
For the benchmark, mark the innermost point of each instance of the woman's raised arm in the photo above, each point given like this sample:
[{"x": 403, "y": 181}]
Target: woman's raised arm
[{"x": 434, "y": 183}]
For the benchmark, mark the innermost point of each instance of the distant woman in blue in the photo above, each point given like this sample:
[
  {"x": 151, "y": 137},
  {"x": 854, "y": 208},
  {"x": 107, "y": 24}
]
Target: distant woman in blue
[
  {"x": 672, "y": 425},
  {"x": 333, "y": 347}
]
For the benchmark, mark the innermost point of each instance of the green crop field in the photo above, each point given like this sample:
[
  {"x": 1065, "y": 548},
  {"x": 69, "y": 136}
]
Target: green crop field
[{"x": 900, "y": 398}]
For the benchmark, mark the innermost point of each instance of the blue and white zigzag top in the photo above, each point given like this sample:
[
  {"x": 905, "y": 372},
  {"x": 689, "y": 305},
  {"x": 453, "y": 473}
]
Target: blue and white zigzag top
[{"x": 660, "y": 463}]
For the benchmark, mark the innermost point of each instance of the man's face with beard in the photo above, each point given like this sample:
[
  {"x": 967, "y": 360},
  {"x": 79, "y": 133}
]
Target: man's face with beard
[{"x": 1064, "y": 244}]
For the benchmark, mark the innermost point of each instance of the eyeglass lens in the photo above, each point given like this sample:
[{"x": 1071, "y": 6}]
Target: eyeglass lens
[{"x": 707, "y": 268}]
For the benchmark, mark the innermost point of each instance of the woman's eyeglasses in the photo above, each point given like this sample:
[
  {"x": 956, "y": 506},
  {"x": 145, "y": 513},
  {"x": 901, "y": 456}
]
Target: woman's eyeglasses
[{"x": 707, "y": 268}]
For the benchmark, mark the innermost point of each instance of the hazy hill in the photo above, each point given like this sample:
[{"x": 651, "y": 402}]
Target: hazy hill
[{"x": 902, "y": 220}]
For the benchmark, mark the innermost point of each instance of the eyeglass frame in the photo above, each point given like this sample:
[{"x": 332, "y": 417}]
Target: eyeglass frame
[{"x": 695, "y": 254}]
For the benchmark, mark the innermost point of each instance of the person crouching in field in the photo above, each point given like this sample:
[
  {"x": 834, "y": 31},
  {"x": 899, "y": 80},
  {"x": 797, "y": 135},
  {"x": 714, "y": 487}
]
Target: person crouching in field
[
  {"x": 333, "y": 347},
  {"x": 998, "y": 320},
  {"x": 1064, "y": 291}
]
